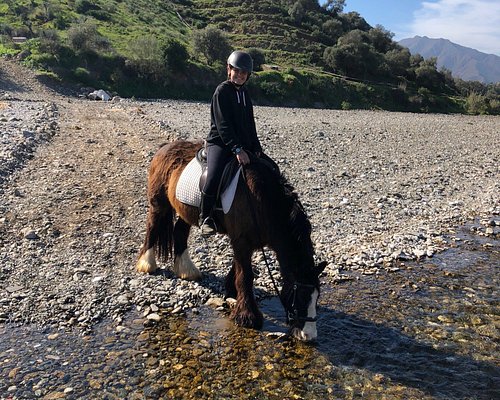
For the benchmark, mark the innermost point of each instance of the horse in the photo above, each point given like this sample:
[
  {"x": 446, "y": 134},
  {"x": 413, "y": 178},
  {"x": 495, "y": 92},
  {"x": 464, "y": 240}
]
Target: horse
[{"x": 265, "y": 211}]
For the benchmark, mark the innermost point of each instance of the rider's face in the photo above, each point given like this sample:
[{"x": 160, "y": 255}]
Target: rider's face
[{"x": 236, "y": 75}]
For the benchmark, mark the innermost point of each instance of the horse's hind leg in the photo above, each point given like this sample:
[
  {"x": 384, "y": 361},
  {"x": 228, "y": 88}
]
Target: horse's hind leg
[
  {"x": 159, "y": 226},
  {"x": 146, "y": 262},
  {"x": 183, "y": 265}
]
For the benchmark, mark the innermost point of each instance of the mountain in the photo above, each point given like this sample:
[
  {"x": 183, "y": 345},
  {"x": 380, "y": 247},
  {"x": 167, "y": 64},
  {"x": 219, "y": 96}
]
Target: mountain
[{"x": 463, "y": 62}]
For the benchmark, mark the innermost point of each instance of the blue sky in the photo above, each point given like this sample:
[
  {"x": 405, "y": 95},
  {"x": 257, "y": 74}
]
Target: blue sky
[{"x": 473, "y": 23}]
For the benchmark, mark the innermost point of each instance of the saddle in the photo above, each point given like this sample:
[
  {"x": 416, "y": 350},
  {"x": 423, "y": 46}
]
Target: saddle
[{"x": 192, "y": 181}]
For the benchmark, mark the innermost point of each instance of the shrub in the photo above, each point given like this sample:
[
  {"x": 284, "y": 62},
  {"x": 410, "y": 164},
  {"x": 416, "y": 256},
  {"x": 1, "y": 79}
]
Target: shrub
[
  {"x": 44, "y": 60},
  {"x": 476, "y": 104},
  {"x": 101, "y": 15},
  {"x": 273, "y": 90},
  {"x": 147, "y": 57},
  {"x": 5, "y": 29},
  {"x": 84, "y": 37},
  {"x": 50, "y": 41},
  {"x": 345, "y": 105},
  {"x": 84, "y": 6},
  {"x": 82, "y": 75},
  {"x": 175, "y": 55},
  {"x": 258, "y": 58},
  {"x": 211, "y": 43},
  {"x": 494, "y": 107}
]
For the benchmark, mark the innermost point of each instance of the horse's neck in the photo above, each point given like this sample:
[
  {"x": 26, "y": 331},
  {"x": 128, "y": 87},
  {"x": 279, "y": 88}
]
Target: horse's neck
[{"x": 294, "y": 257}]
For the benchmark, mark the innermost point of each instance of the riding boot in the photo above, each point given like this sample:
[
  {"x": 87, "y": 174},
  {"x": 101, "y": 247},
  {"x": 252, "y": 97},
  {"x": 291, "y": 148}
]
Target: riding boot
[{"x": 207, "y": 224}]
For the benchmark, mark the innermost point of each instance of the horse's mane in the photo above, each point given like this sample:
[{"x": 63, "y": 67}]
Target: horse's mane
[
  {"x": 285, "y": 202},
  {"x": 298, "y": 220}
]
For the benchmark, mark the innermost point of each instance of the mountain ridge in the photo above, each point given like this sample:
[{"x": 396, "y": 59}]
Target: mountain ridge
[{"x": 464, "y": 62}]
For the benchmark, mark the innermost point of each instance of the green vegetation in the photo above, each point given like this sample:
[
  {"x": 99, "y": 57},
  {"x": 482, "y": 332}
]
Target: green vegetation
[{"x": 305, "y": 54}]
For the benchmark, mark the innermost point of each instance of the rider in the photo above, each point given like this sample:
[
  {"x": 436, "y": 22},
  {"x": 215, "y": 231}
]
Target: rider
[{"x": 232, "y": 132}]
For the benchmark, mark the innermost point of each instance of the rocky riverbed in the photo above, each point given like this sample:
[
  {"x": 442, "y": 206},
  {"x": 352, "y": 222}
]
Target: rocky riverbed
[{"x": 381, "y": 189}]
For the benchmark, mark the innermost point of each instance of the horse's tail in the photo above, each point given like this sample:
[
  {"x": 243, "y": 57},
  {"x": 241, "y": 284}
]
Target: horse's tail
[
  {"x": 160, "y": 231},
  {"x": 165, "y": 232}
]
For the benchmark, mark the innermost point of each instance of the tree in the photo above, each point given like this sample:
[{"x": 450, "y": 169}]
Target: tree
[
  {"x": 381, "y": 39},
  {"x": 332, "y": 28},
  {"x": 428, "y": 76},
  {"x": 356, "y": 21},
  {"x": 398, "y": 61},
  {"x": 211, "y": 43},
  {"x": 352, "y": 55},
  {"x": 297, "y": 12},
  {"x": 175, "y": 55},
  {"x": 334, "y": 6}
]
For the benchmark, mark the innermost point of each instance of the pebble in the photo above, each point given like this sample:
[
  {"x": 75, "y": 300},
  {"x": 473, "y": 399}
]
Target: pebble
[{"x": 154, "y": 317}]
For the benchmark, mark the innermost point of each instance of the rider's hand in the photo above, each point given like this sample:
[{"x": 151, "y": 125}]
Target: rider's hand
[{"x": 242, "y": 157}]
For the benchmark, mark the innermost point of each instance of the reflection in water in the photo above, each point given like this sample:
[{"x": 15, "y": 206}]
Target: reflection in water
[{"x": 428, "y": 331}]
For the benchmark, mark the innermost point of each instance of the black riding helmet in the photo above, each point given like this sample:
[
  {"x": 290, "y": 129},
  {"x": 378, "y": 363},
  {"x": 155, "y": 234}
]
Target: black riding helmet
[{"x": 241, "y": 60}]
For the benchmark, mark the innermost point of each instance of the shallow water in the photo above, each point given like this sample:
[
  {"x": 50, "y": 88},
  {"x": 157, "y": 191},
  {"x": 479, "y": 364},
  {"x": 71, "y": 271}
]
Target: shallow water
[{"x": 427, "y": 331}]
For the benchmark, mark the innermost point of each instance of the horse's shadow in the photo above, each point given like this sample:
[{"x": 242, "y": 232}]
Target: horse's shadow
[{"x": 349, "y": 341}]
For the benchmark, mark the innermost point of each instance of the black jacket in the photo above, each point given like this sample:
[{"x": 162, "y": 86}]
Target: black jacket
[{"x": 232, "y": 119}]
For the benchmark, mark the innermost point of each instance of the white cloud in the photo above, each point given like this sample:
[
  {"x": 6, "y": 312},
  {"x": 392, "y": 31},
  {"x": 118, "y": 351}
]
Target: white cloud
[{"x": 473, "y": 23}]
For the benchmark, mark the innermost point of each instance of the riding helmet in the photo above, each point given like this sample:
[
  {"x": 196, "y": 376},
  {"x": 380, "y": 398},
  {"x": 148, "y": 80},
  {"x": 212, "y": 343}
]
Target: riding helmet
[{"x": 241, "y": 60}]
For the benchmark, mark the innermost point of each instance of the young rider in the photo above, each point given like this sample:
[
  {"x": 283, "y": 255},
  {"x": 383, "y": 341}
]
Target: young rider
[{"x": 232, "y": 131}]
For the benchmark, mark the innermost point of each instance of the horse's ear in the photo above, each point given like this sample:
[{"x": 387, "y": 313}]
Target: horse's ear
[{"x": 321, "y": 267}]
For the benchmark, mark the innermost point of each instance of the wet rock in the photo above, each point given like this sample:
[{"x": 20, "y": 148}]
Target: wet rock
[{"x": 154, "y": 317}]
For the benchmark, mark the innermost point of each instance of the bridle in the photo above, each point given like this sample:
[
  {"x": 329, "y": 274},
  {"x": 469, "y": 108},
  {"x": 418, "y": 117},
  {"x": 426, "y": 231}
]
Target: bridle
[{"x": 292, "y": 313}]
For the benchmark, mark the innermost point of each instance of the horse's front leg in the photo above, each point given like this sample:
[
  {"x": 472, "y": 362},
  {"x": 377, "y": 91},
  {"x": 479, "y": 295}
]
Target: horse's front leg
[
  {"x": 246, "y": 312},
  {"x": 230, "y": 285}
]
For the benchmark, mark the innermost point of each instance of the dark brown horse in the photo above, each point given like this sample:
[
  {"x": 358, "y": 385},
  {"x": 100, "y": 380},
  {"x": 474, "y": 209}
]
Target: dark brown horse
[{"x": 265, "y": 212}]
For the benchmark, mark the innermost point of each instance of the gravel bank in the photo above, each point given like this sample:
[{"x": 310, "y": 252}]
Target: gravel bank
[{"x": 380, "y": 188}]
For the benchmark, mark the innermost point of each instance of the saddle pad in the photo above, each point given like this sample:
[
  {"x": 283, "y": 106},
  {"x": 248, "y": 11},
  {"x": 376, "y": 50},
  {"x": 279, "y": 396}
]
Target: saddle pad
[
  {"x": 227, "y": 196},
  {"x": 188, "y": 189}
]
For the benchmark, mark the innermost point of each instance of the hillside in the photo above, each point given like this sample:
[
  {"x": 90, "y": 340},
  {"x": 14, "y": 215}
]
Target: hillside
[
  {"x": 463, "y": 62},
  {"x": 264, "y": 24},
  {"x": 306, "y": 54}
]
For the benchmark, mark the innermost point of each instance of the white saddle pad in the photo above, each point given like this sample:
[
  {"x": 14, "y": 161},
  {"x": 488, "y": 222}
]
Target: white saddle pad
[{"x": 188, "y": 187}]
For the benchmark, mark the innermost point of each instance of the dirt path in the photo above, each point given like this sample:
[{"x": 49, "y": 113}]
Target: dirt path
[{"x": 75, "y": 213}]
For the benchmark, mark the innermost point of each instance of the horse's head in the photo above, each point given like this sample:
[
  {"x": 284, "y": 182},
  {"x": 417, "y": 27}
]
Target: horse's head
[{"x": 300, "y": 301}]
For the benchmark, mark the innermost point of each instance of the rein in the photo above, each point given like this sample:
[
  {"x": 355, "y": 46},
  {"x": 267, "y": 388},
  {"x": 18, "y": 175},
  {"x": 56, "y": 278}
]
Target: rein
[{"x": 293, "y": 314}]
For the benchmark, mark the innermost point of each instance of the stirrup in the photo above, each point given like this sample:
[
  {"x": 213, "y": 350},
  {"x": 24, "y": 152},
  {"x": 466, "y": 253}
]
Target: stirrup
[{"x": 208, "y": 227}]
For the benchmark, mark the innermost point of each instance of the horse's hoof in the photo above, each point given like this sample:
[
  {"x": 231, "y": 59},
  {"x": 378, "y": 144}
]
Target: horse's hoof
[
  {"x": 248, "y": 320},
  {"x": 145, "y": 267},
  {"x": 195, "y": 276},
  {"x": 184, "y": 268},
  {"x": 146, "y": 263}
]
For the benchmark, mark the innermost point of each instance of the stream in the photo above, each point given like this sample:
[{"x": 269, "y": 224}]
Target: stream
[{"x": 428, "y": 330}]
